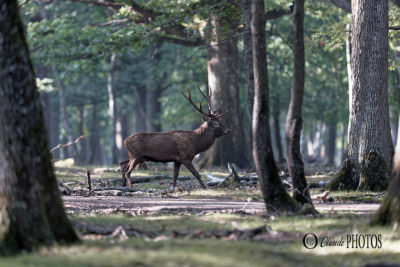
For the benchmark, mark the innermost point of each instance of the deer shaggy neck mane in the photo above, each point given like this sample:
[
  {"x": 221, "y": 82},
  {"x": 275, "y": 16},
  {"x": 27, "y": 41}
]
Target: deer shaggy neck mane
[{"x": 205, "y": 136}]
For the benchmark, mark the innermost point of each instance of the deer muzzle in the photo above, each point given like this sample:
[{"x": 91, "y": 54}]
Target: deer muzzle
[{"x": 227, "y": 131}]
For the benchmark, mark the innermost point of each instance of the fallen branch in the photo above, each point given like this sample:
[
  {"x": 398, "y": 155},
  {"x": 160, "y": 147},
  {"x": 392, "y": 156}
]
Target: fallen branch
[
  {"x": 259, "y": 233},
  {"x": 67, "y": 144}
]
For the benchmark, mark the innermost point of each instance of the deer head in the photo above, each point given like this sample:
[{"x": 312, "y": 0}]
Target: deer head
[{"x": 212, "y": 118}]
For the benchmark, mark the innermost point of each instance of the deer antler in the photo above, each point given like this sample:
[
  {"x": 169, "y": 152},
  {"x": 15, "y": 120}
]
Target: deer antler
[{"x": 211, "y": 112}]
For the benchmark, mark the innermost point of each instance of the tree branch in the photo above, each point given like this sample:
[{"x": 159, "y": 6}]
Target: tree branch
[
  {"x": 274, "y": 14},
  {"x": 185, "y": 42},
  {"x": 99, "y": 3},
  {"x": 67, "y": 144}
]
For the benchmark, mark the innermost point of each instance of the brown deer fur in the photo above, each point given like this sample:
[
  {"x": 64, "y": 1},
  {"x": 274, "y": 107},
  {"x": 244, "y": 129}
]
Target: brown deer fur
[{"x": 177, "y": 146}]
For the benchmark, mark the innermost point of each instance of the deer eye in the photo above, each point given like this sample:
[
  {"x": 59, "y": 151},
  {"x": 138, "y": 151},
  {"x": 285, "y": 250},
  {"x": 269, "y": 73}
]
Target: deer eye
[{"x": 216, "y": 124}]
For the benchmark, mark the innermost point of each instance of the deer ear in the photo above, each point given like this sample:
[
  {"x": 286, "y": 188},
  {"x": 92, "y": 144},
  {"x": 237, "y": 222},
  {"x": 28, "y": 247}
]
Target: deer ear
[{"x": 206, "y": 118}]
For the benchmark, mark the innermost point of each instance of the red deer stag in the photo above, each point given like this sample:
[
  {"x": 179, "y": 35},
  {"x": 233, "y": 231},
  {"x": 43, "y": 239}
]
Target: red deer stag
[{"x": 177, "y": 146}]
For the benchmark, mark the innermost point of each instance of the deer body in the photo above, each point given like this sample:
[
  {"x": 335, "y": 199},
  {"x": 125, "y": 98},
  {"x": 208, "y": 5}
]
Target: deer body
[{"x": 177, "y": 146}]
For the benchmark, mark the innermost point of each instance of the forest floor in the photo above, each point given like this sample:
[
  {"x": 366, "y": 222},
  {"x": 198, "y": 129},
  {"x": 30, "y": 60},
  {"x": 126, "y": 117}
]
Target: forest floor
[{"x": 153, "y": 225}]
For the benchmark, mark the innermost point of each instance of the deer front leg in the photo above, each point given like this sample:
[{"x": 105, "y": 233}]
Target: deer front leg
[
  {"x": 191, "y": 168},
  {"x": 132, "y": 165},
  {"x": 177, "y": 165}
]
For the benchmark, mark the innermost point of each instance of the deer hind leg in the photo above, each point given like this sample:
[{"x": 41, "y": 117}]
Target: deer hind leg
[
  {"x": 132, "y": 165},
  {"x": 124, "y": 167},
  {"x": 191, "y": 168},
  {"x": 177, "y": 165}
]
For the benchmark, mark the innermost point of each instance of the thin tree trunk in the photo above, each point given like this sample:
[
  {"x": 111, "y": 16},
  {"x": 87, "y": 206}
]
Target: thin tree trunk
[
  {"x": 275, "y": 196},
  {"x": 277, "y": 131},
  {"x": 112, "y": 109},
  {"x": 248, "y": 62},
  {"x": 349, "y": 72},
  {"x": 31, "y": 209},
  {"x": 72, "y": 151},
  {"x": 294, "y": 118}
]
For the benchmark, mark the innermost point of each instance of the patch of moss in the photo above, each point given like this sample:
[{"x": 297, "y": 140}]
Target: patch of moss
[
  {"x": 374, "y": 172},
  {"x": 344, "y": 179}
]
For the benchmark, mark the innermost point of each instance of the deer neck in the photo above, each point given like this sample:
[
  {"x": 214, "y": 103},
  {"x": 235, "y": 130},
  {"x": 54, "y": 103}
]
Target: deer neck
[{"x": 205, "y": 137}]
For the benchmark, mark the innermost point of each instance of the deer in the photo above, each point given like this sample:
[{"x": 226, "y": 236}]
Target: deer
[{"x": 176, "y": 146}]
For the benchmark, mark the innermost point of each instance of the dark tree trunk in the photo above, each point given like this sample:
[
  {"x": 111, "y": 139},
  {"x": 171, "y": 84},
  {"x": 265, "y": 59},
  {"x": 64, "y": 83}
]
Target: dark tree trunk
[
  {"x": 95, "y": 149},
  {"x": 31, "y": 208},
  {"x": 275, "y": 196},
  {"x": 331, "y": 147},
  {"x": 294, "y": 118},
  {"x": 248, "y": 61},
  {"x": 223, "y": 80},
  {"x": 370, "y": 150},
  {"x": 277, "y": 130}
]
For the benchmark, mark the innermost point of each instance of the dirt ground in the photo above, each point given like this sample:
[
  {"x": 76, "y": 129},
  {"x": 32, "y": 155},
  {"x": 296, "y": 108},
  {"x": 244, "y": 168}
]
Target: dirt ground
[{"x": 146, "y": 205}]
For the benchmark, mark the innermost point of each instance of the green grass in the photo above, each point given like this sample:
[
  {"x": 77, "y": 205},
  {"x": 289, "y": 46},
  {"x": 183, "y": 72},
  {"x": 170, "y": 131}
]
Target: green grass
[{"x": 285, "y": 251}]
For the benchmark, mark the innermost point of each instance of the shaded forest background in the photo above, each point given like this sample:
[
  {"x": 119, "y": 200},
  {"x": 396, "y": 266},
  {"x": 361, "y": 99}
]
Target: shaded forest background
[{"x": 106, "y": 71}]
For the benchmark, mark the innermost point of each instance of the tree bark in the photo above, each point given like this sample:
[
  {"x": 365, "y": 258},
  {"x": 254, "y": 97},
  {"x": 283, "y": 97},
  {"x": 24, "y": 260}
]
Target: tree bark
[
  {"x": 370, "y": 150},
  {"x": 277, "y": 130},
  {"x": 294, "y": 118},
  {"x": 275, "y": 196},
  {"x": 223, "y": 81},
  {"x": 31, "y": 209}
]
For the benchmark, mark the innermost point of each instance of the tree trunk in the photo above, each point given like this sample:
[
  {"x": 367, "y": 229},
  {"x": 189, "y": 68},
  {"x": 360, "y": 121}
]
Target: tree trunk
[
  {"x": 112, "y": 109},
  {"x": 223, "y": 81},
  {"x": 331, "y": 147},
  {"x": 277, "y": 131},
  {"x": 370, "y": 150},
  {"x": 294, "y": 118},
  {"x": 31, "y": 209},
  {"x": 248, "y": 61},
  {"x": 275, "y": 196},
  {"x": 72, "y": 151}
]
